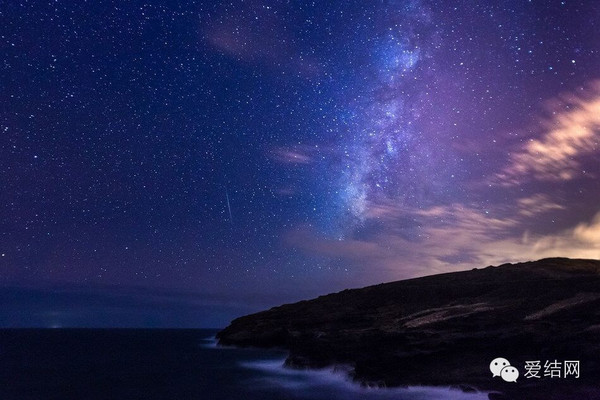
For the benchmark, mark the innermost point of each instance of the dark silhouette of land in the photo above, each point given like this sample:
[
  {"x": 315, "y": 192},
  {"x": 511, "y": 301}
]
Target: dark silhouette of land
[{"x": 445, "y": 329}]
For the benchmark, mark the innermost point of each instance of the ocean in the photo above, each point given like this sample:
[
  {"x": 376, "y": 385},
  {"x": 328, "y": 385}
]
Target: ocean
[{"x": 128, "y": 364}]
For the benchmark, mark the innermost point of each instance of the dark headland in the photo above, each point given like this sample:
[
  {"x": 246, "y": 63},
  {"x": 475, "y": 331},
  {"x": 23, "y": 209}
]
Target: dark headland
[{"x": 445, "y": 329}]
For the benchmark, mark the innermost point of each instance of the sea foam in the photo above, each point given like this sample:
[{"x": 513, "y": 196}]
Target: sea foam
[{"x": 335, "y": 383}]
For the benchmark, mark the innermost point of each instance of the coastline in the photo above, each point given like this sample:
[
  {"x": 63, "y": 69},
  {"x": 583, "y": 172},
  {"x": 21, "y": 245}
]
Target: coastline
[{"x": 443, "y": 330}]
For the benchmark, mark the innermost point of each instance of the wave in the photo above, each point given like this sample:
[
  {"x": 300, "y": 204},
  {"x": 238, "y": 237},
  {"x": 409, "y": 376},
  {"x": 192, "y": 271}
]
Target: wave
[
  {"x": 210, "y": 342},
  {"x": 335, "y": 383}
]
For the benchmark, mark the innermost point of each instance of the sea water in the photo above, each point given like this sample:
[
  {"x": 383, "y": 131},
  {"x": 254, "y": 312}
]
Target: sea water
[{"x": 170, "y": 365}]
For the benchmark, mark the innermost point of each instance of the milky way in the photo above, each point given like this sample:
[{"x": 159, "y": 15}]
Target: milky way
[
  {"x": 387, "y": 153},
  {"x": 252, "y": 153}
]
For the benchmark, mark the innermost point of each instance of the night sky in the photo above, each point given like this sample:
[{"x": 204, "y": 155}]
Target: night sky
[{"x": 187, "y": 162}]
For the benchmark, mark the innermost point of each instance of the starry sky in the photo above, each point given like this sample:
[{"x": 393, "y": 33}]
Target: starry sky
[{"x": 182, "y": 163}]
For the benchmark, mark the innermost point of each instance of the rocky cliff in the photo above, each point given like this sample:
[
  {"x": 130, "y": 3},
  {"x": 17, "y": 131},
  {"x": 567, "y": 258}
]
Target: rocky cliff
[{"x": 445, "y": 329}]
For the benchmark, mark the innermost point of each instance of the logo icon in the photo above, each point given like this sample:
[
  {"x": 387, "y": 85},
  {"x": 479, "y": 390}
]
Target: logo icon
[{"x": 501, "y": 367}]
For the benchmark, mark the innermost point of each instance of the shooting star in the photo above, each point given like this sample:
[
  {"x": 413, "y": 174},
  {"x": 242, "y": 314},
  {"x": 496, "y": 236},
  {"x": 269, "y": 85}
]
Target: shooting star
[{"x": 228, "y": 206}]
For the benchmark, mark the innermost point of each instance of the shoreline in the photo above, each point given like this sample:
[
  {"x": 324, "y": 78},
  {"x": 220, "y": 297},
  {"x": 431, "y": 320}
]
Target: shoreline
[
  {"x": 339, "y": 377},
  {"x": 444, "y": 330}
]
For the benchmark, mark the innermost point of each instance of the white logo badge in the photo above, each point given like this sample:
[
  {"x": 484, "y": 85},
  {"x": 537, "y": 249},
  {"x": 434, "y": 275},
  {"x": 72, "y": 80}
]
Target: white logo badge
[{"x": 501, "y": 367}]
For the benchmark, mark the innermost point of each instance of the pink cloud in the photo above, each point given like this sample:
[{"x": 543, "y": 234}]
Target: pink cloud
[{"x": 571, "y": 134}]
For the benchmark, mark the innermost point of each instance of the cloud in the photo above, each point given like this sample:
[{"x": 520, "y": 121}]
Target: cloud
[
  {"x": 465, "y": 216},
  {"x": 292, "y": 155},
  {"x": 447, "y": 238},
  {"x": 398, "y": 249},
  {"x": 572, "y": 133},
  {"x": 589, "y": 233},
  {"x": 580, "y": 241},
  {"x": 537, "y": 204},
  {"x": 493, "y": 246},
  {"x": 257, "y": 33}
]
